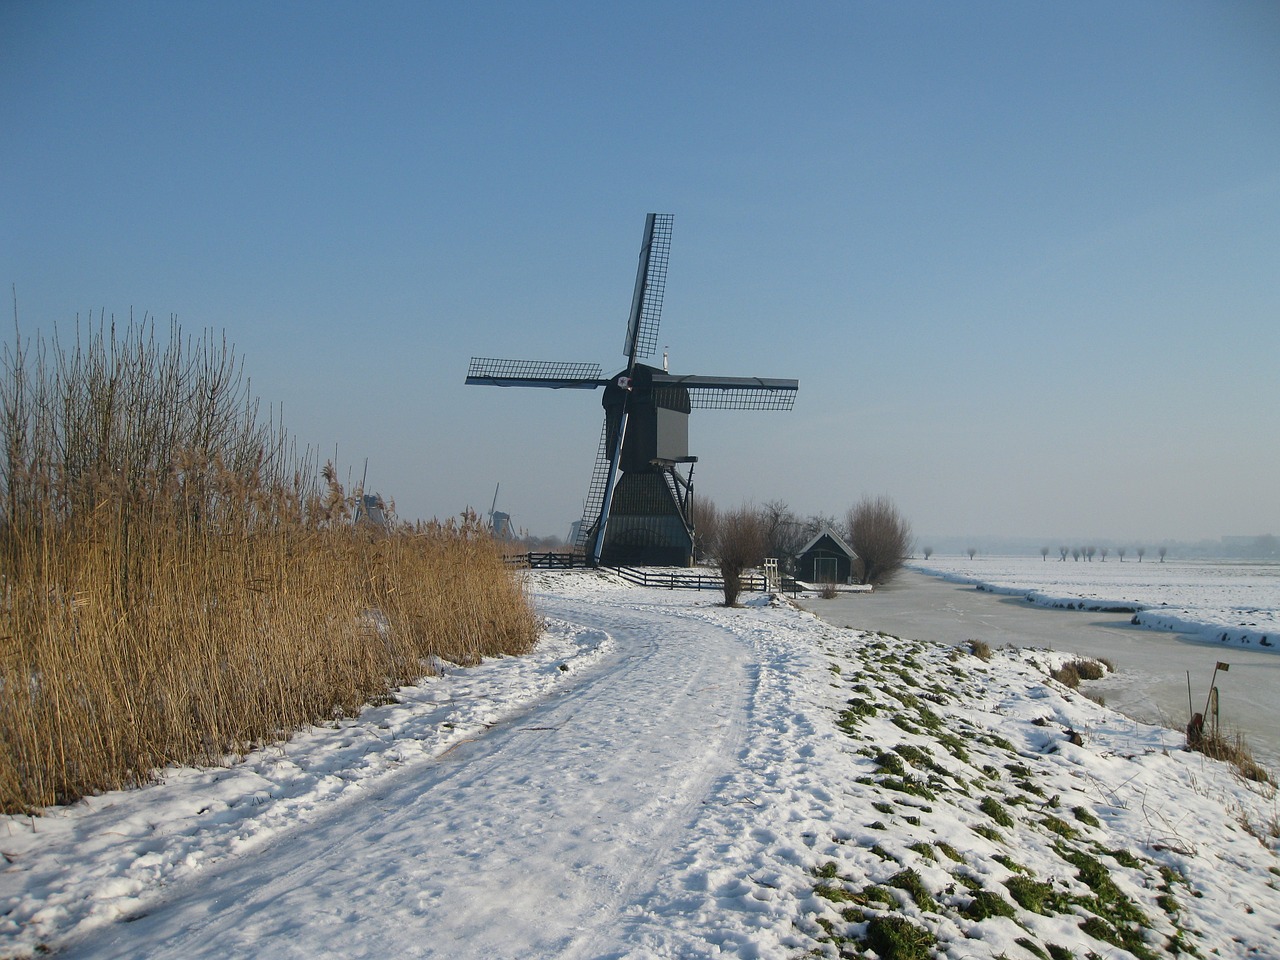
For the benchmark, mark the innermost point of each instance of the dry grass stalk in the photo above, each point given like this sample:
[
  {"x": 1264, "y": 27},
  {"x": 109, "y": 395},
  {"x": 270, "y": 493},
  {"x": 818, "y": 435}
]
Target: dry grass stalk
[
  {"x": 1071, "y": 673},
  {"x": 175, "y": 588},
  {"x": 1234, "y": 750}
]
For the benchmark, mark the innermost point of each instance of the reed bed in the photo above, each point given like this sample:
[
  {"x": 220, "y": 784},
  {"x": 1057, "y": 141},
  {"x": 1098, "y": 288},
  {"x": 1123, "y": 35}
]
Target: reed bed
[
  {"x": 178, "y": 586},
  {"x": 1235, "y": 750}
]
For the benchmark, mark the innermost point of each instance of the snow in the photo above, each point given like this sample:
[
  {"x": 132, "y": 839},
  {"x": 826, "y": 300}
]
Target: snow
[
  {"x": 665, "y": 777},
  {"x": 1222, "y": 602}
]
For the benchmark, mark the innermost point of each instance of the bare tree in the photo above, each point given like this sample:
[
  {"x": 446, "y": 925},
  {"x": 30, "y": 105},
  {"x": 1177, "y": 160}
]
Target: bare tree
[
  {"x": 1120, "y": 553},
  {"x": 1063, "y": 551},
  {"x": 928, "y": 552},
  {"x": 706, "y": 520},
  {"x": 785, "y": 533},
  {"x": 1162, "y": 551},
  {"x": 740, "y": 544},
  {"x": 815, "y": 523},
  {"x": 1044, "y": 553},
  {"x": 880, "y": 536},
  {"x": 972, "y": 551},
  {"x": 1141, "y": 551},
  {"x": 1103, "y": 551}
]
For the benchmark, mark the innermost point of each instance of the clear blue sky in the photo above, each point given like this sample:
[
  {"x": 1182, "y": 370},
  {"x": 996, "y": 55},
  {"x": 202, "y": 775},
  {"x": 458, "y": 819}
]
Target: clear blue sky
[{"x": 1023, "y": 257}]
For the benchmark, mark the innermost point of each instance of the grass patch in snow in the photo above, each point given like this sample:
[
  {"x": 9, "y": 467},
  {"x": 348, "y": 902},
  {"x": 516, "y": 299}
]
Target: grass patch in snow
[
  {"x": 1035, "y": 895},
  {"x": 1010, "y": 864},
  {"x": 992, "y": 834},
  {"x": 950, "y": 852},
  {"x": 909, "y": 785},
  {"x": 1085, "y": 817},
  {"x": 923, "y": 849},
  {"x": 1057, "y": 876},
  {"x": 954, "y": 746},
  {"x": 910, "y": 882},
  {"x": 894, "y": 937},
  {"x": 998, "y": 741},
  {"x": 1060, "y": 827},
  {"x": 988, "y": 904},
  {"x": 996, "y": 811}
]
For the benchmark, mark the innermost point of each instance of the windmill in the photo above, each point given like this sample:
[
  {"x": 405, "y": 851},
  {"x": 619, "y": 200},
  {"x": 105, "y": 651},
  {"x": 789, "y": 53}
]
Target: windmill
[
  {"x": 499, "y": 522},
  {"x": 638, "y": 506}
]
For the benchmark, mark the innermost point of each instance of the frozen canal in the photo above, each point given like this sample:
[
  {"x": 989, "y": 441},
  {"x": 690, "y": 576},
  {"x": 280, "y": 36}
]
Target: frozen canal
[{"x": 1151, "y": 666}]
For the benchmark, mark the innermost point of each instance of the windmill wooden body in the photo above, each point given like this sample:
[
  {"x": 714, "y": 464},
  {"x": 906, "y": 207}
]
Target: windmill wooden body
[{"x": 639, "y": 504}]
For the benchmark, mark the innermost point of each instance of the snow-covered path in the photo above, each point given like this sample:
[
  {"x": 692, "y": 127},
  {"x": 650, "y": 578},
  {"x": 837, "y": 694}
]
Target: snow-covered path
[
  {"x": 665, "y": 778},
  {"x": 527, "y": 840}
]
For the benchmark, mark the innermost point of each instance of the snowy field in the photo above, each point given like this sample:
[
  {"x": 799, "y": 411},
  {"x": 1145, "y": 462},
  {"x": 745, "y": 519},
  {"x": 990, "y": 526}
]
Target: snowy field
[
  {"x": 666, "y": 778},
  {"x": 1221, "y": 602}
]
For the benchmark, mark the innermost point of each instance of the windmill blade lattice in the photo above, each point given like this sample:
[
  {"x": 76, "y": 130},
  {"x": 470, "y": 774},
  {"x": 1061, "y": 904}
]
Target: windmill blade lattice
[
  {"x": 704, "y": 399},
  {"x": 596, "y": 491},
  {"x": 733, "y": 393},
  {"x": 651, "y": 285},
  {"x": 493, "y": 372}
]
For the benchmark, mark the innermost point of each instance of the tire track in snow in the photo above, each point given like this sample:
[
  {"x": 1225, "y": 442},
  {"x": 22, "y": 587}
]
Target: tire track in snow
[{"x": 527, "y": 842}]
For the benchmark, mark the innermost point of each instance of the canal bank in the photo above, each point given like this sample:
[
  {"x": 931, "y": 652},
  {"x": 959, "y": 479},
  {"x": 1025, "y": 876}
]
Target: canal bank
[{"x": 1150, "y": 682}]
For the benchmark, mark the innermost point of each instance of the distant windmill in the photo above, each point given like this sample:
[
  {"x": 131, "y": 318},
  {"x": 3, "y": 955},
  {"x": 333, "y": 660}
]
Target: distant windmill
[
  {"x": 499, "y": 522},
  {"x": 638, "y": 507}
]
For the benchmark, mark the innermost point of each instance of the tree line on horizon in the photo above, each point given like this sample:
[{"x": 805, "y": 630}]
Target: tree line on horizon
[{"x": 1076, "y": 553}]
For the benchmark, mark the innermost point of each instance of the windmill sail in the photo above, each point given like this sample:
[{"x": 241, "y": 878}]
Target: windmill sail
[
  {"x": 555, "y": 374},
  {"x": 642, "y": 340},
  {"x": 651, "y": 285},
  {"x": 595, "y": 493},
  {"x": 733, "y": 393}
]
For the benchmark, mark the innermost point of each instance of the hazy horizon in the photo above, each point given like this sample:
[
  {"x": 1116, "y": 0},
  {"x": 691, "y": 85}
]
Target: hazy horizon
[
  {"x": 1211, "y": 547},
  {"x": 1021, "y": 257}
]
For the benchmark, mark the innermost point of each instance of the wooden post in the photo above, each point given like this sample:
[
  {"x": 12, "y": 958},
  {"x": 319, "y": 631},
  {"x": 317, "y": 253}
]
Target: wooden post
[{"x": 1224, "y": 667}]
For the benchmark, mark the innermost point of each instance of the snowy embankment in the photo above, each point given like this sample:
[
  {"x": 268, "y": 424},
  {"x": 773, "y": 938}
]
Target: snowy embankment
[
  {"x": 664, "y": 777},
  {"x": 1236, "y": 604}
]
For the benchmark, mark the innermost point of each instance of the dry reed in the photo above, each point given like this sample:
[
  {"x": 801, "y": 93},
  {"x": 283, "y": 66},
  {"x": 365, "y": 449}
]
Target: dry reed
[
  {"x": 1234, "y": 750},
  {"x": 177, "y": 585}
]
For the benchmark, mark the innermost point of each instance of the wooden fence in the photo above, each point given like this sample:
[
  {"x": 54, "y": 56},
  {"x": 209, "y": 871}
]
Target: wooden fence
[
  {"x": 547, "y": 561},
  {"x": 669, "y": 578}
]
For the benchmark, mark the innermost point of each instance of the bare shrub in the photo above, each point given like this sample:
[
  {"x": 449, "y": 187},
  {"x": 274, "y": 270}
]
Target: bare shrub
[
  {"x": 980, "y": 649},
  {"x": 1067, "y": 675},
  {"x": 740, "y": 545},
  {"x": 1090, "y": 669},
  {"x": 880, "y": 537},
  {"x": 1070, "y": 674}
]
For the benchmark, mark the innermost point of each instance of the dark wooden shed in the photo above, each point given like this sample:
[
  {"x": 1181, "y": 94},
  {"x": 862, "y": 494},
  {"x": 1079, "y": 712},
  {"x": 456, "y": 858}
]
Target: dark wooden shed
[{"x": 825, "y": 559}]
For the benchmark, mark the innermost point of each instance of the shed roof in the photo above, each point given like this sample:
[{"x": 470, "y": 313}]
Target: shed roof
[{"x": 836, "y": 539}]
